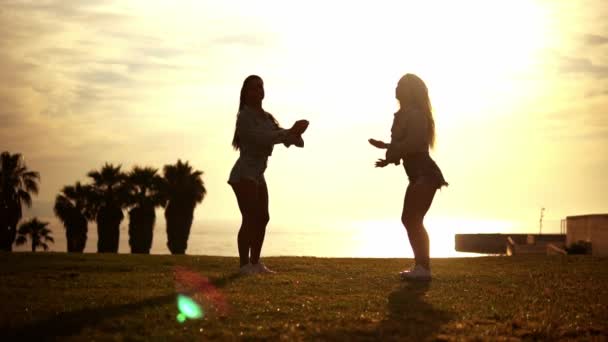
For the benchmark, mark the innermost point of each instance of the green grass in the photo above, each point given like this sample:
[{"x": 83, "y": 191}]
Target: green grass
[{"x": 130, "y": 297}]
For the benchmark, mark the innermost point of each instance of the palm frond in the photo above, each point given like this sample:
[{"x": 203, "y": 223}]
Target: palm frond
[
  {"x": 37, "y": 230},
  {"x": 143, "y": 186},
  {"x": 30, "y": 181},
  {"x": 109, "y": 188},
  {"x": 63, "y": 208},
  {"x": 183, "y": 183},
  {"x": 21, "y": 240},
  {"x": 25, "y": 228},
  {"x": 25, "y": 197},
  {"x": 17, "y": 183},
  {"x": 95, "y": 176}
]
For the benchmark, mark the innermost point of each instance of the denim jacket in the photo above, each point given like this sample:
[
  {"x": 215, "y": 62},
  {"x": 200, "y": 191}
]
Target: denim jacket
[
  {"x": 409, "y": 134},
  {"x": 258, "y": 133}
]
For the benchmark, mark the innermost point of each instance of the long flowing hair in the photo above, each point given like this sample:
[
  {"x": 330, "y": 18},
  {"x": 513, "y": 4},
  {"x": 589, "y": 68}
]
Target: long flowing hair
[
  {"x": 412, "y": 93},
  {"x": 236, "y": 143}
]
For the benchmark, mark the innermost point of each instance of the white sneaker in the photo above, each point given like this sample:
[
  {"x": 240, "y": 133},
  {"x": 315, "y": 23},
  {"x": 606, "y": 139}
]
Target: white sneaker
[
  {"x": 416, "y": 273},
  {"x": 404, "y": 272},
  {"x": 247, "y": 269},
  {"x": 261, "y": 268}
]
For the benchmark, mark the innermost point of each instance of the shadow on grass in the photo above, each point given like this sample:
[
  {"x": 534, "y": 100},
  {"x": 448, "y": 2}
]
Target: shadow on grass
[
  {"x": 410, "y": 317},
  {"x": 73, "y": 322},
  {"x": 225, "y": 280}
]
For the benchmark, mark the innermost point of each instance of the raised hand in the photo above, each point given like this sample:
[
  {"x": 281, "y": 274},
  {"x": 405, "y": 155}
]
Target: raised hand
[
  {"x": 293, "y": 139},
  {"x": 378, "y": 143},
  {"x": 381, "y": 163},
  {"x": 299, "y": 127}
]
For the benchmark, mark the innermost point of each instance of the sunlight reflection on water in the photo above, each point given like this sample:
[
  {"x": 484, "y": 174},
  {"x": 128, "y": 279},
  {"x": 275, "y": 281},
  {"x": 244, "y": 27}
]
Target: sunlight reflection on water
[{"x": 362, "y": 239}]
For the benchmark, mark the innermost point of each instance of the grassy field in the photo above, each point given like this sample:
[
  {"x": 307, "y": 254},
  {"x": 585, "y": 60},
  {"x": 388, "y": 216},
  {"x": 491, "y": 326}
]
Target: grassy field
[{"x": 130, "y": 297}]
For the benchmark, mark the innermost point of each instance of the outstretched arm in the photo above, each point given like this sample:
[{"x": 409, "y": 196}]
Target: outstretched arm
[
  {"x": 293, "y": 139},
  {"x": 249, "y": 130},
  {"x": 378, "y": 143},
  {"x": 381, "y": 145},
  {"x": 299, "y": 127},
  {"x": 295, "y": 134}
]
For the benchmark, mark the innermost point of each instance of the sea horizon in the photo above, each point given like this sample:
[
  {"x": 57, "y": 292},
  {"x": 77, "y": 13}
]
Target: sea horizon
[{"x": 359, "y": 239}]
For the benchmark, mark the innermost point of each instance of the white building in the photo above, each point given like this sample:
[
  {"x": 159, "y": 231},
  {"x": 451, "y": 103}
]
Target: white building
[{"x": 588, "y": 228}]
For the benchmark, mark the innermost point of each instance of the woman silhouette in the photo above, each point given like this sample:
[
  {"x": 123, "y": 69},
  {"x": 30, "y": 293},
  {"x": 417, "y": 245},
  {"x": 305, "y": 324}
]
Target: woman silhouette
[
  {"x": 255, "y": 135},
  {"x": 412, "y": 134}
]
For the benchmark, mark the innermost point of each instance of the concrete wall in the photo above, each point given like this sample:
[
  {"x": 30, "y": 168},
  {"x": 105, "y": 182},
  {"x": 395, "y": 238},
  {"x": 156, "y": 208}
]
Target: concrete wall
[
  {"x": 497, "y": 243},
  {"x": 589, "y": 228}
]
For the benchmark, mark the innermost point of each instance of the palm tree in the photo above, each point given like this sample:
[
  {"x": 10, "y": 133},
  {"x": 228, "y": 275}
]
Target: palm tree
[
  {"x": 38, "y": 232},
  {"x": 145, "y": 195},
  {"x": 107, "y": 200},
  {"x": 71, "y": 206},
  {"x": 17, "y": 184},
  {"x": 184, "y": 189}
]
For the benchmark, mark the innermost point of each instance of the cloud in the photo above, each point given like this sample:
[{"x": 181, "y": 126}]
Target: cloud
[
  {"x": 583, "y": 66},
  {"x": 141, "y": 64},
  {"x": 582, "y": 121},
  {"x": 161, "y": 52},
  {"x": 87, "y": 11},
  {"x": 582, "y": 133},
  {"x": 40, "y": 208},
  {"x": 596, "y": 93},
  {"x": 594, "y": 39},
  {"x": 105, "y": 78},
  {"x": 10, "y": 120},
  {"x": 240, "y": 39}
]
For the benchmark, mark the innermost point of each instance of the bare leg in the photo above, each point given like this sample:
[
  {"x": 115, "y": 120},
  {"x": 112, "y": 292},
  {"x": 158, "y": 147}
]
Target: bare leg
[
  {"x": 246, "y": 192},
  {"x": 418, "y": 199},
  {"x": 262, "y": 217}
]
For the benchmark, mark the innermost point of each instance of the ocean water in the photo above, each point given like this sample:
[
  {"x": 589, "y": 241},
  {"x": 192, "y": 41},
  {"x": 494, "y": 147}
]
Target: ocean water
[{"x": 373, "y": 239}]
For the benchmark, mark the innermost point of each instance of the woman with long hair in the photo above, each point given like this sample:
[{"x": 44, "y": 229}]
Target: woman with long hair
[
  {"x": 255, "y": 135},
  {"x": 412, "y": 135}
]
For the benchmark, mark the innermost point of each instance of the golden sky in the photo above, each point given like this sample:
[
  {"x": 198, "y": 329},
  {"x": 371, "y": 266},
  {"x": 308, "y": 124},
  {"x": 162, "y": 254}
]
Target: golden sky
[{"x": 519, "y": 88}]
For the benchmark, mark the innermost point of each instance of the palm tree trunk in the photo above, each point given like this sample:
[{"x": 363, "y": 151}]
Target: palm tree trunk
[
  {"x": 108, "y": 229},
  {"x": 70, "y": 231},
  {"x": 12, "y": 234},
  {"x": 15, "y": 213},
  {"x": 141, "y": 229},
  {"x": 179, "y": 221},
  {"x": 81, "y": 234},
  {"x": 69, "y": 239},
  {"x": 4, "y": 230},
  {"x": 76, "y": 233},
  {"x": 8, "y": 228}
]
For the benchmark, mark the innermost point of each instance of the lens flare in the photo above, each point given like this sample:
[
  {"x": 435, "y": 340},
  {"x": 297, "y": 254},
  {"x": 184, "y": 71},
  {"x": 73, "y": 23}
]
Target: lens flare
[
  {"x": 188, "y": 307},
  {"x": 181, "y": 318},
  {"x": 196, "y": 296}
]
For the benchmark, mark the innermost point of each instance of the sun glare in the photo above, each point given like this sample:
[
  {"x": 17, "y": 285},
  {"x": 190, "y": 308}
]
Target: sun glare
[
  {"x": 388, "y": 238},
  {"x": 458, "y": 48}
]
